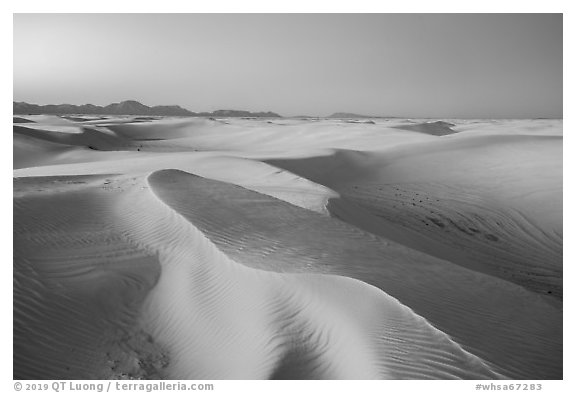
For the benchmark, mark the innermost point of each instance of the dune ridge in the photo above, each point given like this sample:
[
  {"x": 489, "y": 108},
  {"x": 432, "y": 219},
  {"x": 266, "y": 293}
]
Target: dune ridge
[
  {"x": 303, "y": 319},
  {"x": 384, "y": 264},
  {"x": 291, "y": 288}
]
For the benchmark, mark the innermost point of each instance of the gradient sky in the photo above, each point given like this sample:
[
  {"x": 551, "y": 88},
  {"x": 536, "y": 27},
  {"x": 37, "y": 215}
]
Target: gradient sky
[{"x": 410, "y": 65}]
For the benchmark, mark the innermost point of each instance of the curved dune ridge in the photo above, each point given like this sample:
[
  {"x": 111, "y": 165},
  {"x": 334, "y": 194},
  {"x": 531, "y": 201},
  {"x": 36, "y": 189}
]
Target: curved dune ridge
[
  {"x": 204, "y": 307},
  {"x": 240, "y": 249},
  {"x": 277, "y": 242}
]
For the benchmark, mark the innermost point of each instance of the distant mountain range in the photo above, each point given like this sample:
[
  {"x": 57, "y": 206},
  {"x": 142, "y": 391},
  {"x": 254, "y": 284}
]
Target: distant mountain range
[{"x": 129, "y": 107}]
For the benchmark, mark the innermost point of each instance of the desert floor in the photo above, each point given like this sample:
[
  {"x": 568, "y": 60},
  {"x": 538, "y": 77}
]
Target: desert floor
[{"x": 193, "y": 248}]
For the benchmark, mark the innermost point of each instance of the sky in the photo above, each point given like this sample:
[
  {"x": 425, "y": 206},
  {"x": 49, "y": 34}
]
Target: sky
[{"x": 405, "y": 65}]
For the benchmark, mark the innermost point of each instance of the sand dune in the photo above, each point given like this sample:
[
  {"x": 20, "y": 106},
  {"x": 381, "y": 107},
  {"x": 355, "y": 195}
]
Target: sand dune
[
  {"x": 383, "y": 264},
  {"x": 240, "y": 249},
  {"x": 491, "y": 203},
  {"x": 203, "y": 308}
]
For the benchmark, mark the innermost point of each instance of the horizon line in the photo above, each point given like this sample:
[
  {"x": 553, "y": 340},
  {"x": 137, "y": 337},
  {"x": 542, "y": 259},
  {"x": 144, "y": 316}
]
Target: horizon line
[{"x": 303, "y": 115}]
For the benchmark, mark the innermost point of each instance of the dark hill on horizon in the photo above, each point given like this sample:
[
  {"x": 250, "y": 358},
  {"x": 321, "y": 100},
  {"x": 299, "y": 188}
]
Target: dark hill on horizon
[{"x": 129, "y": 107}]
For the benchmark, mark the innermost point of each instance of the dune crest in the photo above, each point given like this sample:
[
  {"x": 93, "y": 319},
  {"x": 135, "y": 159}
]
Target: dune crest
[{"x": 197, "y": 304}]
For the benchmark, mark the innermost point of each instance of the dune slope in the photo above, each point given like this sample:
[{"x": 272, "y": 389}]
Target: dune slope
[{"x": 490, "y": 203}]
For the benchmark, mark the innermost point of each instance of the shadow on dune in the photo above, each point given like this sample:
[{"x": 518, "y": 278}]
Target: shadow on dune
[{"x": 438, "y": 128}]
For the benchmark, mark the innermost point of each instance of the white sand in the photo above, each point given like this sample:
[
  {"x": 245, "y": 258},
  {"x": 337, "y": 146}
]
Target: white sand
[{"x": 242, "y": 249}]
